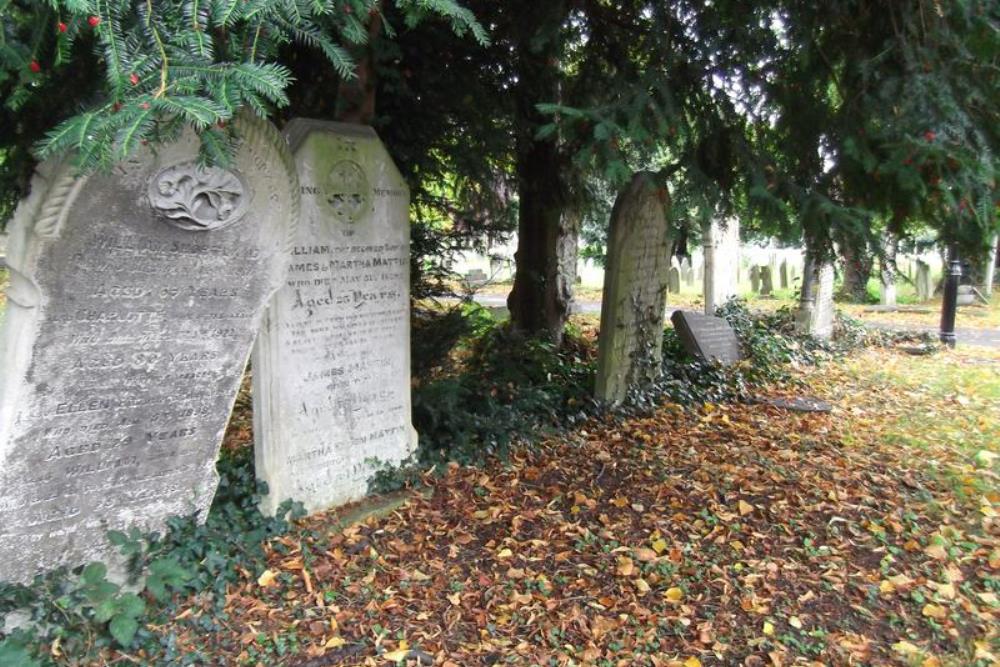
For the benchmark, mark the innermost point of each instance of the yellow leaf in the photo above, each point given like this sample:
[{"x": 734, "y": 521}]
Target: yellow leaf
[
  {"x": 931, "y": 662},
  {"x": 266, "y": 579},
  {"x": 417, "y": 575},
  {"x": 505, "y": 553},
  {"x": 674, "y": 594},
  {"x": 795, "y": 622},
  {"x": 886, "y": 587},
  {"x": 335, "y": 642},
  {"x": 692, "y": 662},
  {"x": 625, "y": 566},
  {"x": 905, "y": 648},
  {"x": 644, "y": 555},
  {"x": 659, "y": 546},
  {"x": 641, "y": 585},
  {"x": 936, "y": 551},
  {"x": 455, "y": 599},
  {"x": 768, "y": 628},
  {"x": 745, "y": 508},
  {"x": 397, "y": 655},
  {"x": 934, "y": 611}
]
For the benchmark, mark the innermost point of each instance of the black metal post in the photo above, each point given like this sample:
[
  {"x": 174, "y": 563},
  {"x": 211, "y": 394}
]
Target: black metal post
[{"x": 950, "y": 303}]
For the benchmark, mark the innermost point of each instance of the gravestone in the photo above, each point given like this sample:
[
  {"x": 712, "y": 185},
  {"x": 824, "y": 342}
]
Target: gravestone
[
  {"x": 721, "y": 241},
  {"x": 707, "y": 337},
  {"x": 766, "y": 281},
  {"x": 815, "y": 314},
  {"x": 134, "y": 300},
  {"x": 755, "y": 279},
  {"x": 476, "y": 277},
  {"x": 966, "y": 296},
  {"x": 635, "y": 289},
  {"x": 674, "y": 279},
  {"x": 3, "y": 251},
  {"x": 925, "y": 288},
  {"x": 687, "y": 273},
  {"x": 332, "y": 362},
  {"x": 783, "y": 274}
]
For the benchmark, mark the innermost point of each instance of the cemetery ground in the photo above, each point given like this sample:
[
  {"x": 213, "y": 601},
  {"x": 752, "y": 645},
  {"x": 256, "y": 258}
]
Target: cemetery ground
[{"x": 695, "y": 531}]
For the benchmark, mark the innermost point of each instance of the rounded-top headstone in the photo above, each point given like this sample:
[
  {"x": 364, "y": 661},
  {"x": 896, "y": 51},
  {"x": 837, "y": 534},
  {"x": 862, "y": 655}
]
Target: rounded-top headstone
[{"x": 134, "y": 300}]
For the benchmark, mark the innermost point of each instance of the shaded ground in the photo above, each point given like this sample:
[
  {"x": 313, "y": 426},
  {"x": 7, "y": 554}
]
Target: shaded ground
[{"x": 725, "y": 535}]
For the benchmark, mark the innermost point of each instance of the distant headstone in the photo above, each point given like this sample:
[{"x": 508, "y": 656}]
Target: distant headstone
[
  {"x": 332, "y": 363},
  {"x": 635, "y": 290},
  {"x": 707, "y": 337},
  {"x": 476, "y": 277},
  {"x": 755, "y": 279},
  {"x": 687, "y": 272},
  {"x": 925, "y": 288},
  {"x": 766, "y": 281},
  {"x": 674, "y": 279},
  {"x": 722, "y": 261},
  {"x": 134, "y": 300},
  {"x": 966, "y": 296},
  {"x": 783, "y": 274},
  {"x": 815, "y": 315}
]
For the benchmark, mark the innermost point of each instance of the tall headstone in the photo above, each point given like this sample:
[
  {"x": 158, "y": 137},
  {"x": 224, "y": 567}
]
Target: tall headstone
[
  {"x": 783, "y": 274},
  {"x": 332, "y": 362},
  {"x": 633, "y": 306},
  {"x": 755, "y": 279},
  {"x": 722, "y": 261},
  {"x": 687, "y": 272},
  {"x": 815, "y": 315},
  {"x": 888, "y": 271},
  {"x": 766, "y": 281},
  {"x": 674, "y": 280},
  {"x": 134, "y": 300},
  {"x": 925, "y": 288}
]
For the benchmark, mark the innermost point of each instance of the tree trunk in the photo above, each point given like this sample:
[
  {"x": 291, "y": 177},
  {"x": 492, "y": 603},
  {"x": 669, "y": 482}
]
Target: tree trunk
[
  {"x": 356, "y": 97},
  {"x": 539, "y": 302},
  {"x": 858, "y": 265}
]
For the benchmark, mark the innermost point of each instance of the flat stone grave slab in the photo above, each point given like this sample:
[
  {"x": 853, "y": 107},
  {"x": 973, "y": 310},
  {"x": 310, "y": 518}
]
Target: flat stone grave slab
[
  {"x": 332, "y": 363},
  {"x": 134, "y": 300},
  {"x": 707, "y": 337},
  {"x": 796, "y": 403}
]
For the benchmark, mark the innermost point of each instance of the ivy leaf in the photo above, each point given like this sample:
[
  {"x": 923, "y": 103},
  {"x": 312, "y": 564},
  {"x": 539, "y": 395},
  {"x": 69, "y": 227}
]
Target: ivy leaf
[{"x": 123, "y": 629}]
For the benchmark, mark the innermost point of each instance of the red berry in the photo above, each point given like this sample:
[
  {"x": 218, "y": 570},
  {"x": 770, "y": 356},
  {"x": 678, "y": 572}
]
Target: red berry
[
  {"x": 929, "y": 135},
  {"x": 221, "y": 124},
  {"x": 62, "y": 27},
  {"x": 34, "y": 66},
  {"x": 144, "y": 105},
  {"x": 133, "y": 78},
  {"x": 94, "y": 21}
]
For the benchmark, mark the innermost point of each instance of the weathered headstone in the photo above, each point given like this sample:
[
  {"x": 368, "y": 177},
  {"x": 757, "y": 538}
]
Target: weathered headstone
[
  {"x": 687, "y": 273},
  {"x": 766, "y": 281},
  {"x": 966, "y": 297},
  {"x": 3, "y": 251},
  {"x": 722, "y": 262},
  {"x": 783, "y": 274},
  {"x": 815, "y": 315},
  {"x": 707, "y": 337},
  {"x": 635, "y": 289},
  {"x": 755, "y": 279},
  {"x": 476, "y": 277},
  {"x": 134, "y": 300},
  {"x": 674, "y": 280},
  {"x": 925, "y": 288},
  {"x": 332, "y": 363}
]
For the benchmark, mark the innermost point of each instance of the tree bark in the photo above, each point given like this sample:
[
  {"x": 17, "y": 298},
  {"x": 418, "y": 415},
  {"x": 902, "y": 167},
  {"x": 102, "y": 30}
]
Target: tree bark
[
  {"x": 356, "y": 97},
  {"x": 858, "y": 265},
  {"x": 539, "y": 302}
]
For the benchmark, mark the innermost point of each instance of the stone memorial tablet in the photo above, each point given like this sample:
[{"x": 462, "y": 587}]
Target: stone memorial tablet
[
  {"x": 815, "y": 314},
  {"x": 633, "y": 305},
  {"x": 134, "y": 300},
  {"x": 707, "y": 337},
  {"x": 332, "y": 363},
  {"x": 722, "y": 261}
]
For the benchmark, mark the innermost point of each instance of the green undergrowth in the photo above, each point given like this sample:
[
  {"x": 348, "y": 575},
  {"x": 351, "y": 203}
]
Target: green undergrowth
[{"x": 74, "y": 617}]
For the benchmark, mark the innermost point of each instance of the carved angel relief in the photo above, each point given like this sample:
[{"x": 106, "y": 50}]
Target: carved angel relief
[{"x": 199, "y": 199}]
